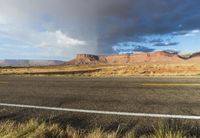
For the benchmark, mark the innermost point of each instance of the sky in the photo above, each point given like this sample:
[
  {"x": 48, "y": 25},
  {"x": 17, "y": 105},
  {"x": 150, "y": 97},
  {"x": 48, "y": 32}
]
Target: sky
[{"x": 60, "y": 29}]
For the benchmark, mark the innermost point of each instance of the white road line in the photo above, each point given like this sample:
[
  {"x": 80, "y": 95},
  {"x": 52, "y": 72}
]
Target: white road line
[{"x": 103, "y": 112}]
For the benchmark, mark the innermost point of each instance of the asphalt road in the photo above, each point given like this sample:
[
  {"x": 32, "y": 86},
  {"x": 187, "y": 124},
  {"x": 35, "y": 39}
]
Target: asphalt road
[{"x": 177, "y": 95}]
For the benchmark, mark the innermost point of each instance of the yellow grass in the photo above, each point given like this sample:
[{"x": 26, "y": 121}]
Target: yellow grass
[
  {"x": 35, "y": 129},
  {"x": 109, "y": 70}
]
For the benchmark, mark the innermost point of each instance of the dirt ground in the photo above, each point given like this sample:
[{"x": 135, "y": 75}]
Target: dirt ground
[{"x": 109, "y": 70}]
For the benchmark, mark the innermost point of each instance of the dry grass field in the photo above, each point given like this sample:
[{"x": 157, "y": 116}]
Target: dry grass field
[
  {"x": 108, "y": 70},
  {"x": 36, "y": 129}
]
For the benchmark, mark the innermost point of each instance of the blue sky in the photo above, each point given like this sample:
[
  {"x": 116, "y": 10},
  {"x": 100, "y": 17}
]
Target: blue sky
[
  {"x": 60, "y": 29},
  {"x": 187, "y": 43}
]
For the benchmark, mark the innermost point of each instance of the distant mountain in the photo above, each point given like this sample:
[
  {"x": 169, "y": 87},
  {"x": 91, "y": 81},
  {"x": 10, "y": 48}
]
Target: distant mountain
[
  {"x": 27, "y": 63},
  {"x": 154, "y": 57}
]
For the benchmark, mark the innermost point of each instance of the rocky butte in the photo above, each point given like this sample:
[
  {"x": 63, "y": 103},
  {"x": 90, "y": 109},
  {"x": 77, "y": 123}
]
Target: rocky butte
[{"x": 150, "y": 57}]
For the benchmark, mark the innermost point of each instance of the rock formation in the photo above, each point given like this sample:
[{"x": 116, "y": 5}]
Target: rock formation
[{"x": 154, "y": 57}]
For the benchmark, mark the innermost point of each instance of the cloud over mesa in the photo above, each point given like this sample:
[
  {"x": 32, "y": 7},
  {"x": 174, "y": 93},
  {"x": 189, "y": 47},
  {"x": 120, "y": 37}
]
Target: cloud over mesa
[{"x": 60, "y": 29}]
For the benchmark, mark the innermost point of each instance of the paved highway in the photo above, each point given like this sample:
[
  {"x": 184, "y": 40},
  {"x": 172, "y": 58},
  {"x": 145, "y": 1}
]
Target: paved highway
[{"x": 154, "y": 95}]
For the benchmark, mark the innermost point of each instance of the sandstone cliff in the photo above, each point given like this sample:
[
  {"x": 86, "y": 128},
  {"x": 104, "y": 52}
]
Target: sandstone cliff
[{"x": 154, "y": 57}]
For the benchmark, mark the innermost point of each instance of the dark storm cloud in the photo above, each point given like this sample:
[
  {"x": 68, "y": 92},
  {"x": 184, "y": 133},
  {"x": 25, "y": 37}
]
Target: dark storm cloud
[
  {"x": 131, "y": 48},
  {"x": 156, "y": 41},
  {"x": 143, "y": 49},
  {"x": 166, "y": 44},
  {"x": 100, "y": 24},
  {"x": 181, "y": 33},
  {"x": 124, "y": 20},
  {"x": 137, "y": 49}
]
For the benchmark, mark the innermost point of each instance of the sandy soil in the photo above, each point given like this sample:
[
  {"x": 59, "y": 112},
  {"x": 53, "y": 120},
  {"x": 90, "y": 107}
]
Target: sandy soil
[{"x": 157, "y": 69}]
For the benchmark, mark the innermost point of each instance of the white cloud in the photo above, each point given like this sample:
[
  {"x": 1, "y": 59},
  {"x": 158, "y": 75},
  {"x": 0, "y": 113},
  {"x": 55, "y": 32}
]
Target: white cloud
[
  {"x": 2, "y": 20},
  {"x": 187, "y": 33},
  {"x": 48, "y": 44},
  {"x": 49, "y": 28},
  {"x": 59, "y": 39},
  {"x": 192, "y": 33},
  {"x": 195, "y": 31}
]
